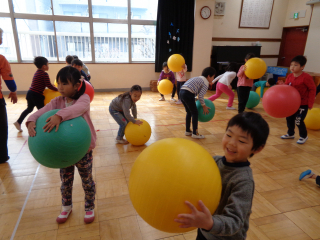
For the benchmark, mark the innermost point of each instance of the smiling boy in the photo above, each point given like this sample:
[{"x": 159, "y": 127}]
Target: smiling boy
[{"x": 246, "y": 135}]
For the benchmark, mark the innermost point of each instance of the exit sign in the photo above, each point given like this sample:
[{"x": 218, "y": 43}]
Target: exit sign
[{"x": 296, "y": 15}]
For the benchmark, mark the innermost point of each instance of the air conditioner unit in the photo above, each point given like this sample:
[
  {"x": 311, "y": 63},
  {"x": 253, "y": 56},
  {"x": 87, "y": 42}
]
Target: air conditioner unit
[{"x": 313, "y": 2}]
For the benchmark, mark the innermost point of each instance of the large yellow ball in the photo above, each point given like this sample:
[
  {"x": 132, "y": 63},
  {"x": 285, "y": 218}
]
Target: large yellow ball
[
  {"x": 312, "y": 120},
  {"x": 138, "y": 135},
  {"x": 175, "y": 62},
  {"x": 49, "y": 95},
  {"x": 165, "y": 87},
  {"x": 166, "y": 174},
  {"x": 256, "y": 68},
  {"x": 258, "y": 90}
]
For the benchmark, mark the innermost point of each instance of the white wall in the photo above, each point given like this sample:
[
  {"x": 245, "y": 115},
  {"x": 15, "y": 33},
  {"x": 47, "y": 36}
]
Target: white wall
[
  {"x": 312, "y": 50},
  {"x": 296, "y": 6}
]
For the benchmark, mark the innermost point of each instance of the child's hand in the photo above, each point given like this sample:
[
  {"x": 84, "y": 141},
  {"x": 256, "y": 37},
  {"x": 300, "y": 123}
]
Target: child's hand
[
  {"x": 13, "y": 96},
  {"x": 205, "y": 109},
  {"x": 198, "y": 219},
  {"x": 31, "y": 127},
  {"x": 138, "y": 122},
  {"x": 244, "y": 67},
  {"x": 230, "y": 87},
  {"x": 53, "y": 121}
]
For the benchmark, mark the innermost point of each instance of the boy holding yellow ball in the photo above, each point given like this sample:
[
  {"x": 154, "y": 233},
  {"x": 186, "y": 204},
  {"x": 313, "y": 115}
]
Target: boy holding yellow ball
[{"x": 246, "y": 135}]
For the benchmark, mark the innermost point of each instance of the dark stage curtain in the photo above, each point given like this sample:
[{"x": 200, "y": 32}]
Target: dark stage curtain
[{"x": 174, "y": 34}]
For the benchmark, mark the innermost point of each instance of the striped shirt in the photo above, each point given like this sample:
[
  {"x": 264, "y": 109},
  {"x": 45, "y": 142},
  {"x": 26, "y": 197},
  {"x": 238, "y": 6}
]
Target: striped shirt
[
  {"x": 40, "y": 81},
  {"x": 198, "y": 86}
]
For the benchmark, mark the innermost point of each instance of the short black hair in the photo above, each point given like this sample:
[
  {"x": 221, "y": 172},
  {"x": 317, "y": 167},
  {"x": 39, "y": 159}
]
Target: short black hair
[
  {"x": 208, "y": 71},
  {"x": 271, "y": 81},
  {"x": 232, "y": 67},
  {"x": 249, "y": 56},
  {"x": 75, "y": 57},
  {"x": 69, "y": 59},
  {"x": 77, "y": 62},
  {"x": 300, "y": 59},
  {"x": 40, "y": 61},
  {"x": 164, "y": 64},
  {"x": 254, "y": 125}
]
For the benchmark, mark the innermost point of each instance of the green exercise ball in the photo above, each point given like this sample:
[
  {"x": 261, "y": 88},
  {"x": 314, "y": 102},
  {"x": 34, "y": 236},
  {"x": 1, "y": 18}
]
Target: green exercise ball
[
  {"x": 253, "y": 100},
  {"x": 201, "y": 116},
  {"x": 63, "y": 148}
]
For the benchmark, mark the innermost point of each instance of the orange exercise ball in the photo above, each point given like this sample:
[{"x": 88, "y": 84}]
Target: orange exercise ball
[
  {"x": 175, "y": 62},
  {"x": 312, "y": 120},
  {"x": 255, "y": 68},
  {"x": 49, "y": 95},
  {"x": 165, "y": 86},
  {"x": 89, "y": 90}
]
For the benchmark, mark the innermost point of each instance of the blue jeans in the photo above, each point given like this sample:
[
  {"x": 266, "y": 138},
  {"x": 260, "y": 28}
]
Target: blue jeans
[{"x": 121, "y": 120}]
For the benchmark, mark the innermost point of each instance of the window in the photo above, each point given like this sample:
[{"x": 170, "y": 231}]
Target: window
[
  {"x": 7, "y": 48},
  {"x": 100, "y": 32}
]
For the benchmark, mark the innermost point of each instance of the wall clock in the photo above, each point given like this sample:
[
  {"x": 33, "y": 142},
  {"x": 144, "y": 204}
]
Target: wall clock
[{"x": 205, "y": 12}]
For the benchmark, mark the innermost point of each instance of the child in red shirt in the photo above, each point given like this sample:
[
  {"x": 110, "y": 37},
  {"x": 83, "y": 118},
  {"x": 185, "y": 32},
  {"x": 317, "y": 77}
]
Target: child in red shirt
[{"x": 304, "y": 83}]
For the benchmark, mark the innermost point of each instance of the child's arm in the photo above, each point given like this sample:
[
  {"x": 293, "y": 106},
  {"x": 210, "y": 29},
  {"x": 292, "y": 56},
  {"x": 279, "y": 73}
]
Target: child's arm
[
  {"x": 216, "y": 79},
  {"x": 172, "y": 78},
  {"x": 126, "y": 105},
  {"x": 308, "y": 81},
  {"x": 234, "y": 214},
  {"x": 47, "y": 82},
  {"x": 161, "y": 76},
  {"x": 241, "y": 72},
  {"x": 202, "y": 92}
]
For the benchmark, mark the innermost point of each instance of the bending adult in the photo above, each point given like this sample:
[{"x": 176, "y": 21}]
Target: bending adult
[{"x": 6, "y": 75}]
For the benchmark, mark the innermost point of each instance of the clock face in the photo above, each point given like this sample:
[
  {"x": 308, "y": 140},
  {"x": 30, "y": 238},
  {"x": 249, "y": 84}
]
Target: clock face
[{"x": 205, "y": 12}]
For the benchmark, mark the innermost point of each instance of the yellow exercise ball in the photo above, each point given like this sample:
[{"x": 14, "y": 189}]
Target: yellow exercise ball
[
  {"x": 165, "y": 86},
  {"x": 312, "y": 120},
  {"x": 175, "y": 62},
  {"x": 258, "y": 90},
  {"x": 55, "y": 83},
  {"x": 49, "y": 95},
  {"x": 256, "y": 68},
  {"x": 138, "y": 134},
  {"x": 166, "y": 174}
]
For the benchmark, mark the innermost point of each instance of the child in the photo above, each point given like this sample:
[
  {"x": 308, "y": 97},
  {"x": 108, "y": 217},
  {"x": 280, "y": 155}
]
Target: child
[
  {"x": 35, "y": 96},
  {"x": 271, "y": 82},
  {"x": 246, "y": 135},
  {"x": 69, "y": 60},
  {"x": 76, "y": 63},
  {"x": 244, "y": 85},
  {"x": 304, "y": 83},
  {"x": 84, "y": 67},
  {"x": 166, "y": 73},
  {"x": 181, "y": 79},
  {"x": 193, "y": 87},
  {"x": 73, "y": 103},
  {"x": 120, "y": 110},
  {"x": 224, "y": 85}
]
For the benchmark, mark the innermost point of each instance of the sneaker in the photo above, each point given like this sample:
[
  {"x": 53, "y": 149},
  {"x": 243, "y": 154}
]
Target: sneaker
[
  {"x": 162, "y": 99},
  {"x": 18, "y": 126},
  {"x": 197, "y": 136},
  {"x": 122, "y": 141},
  {"x": 188, "y": 133},
  {"x": 287, "y": 136},
  {"x": 179, "y": 102},
  {"x": 302, "y": 140},
  {"x": 66, "y": 210},
  {"x": 305, "y": 175},
  {"x": 230, "y": 108},
  {"x": 89, "y": 217}
]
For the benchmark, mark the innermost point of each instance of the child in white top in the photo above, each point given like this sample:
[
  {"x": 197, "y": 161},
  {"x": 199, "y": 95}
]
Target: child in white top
[
  {"x": 224, "y": 84},
  {"x": 181, "y": 79}
]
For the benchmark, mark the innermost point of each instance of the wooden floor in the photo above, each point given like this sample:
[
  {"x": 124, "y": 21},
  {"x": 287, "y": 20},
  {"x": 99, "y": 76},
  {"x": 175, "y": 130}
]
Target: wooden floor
[{"x": 283, "y": 207}]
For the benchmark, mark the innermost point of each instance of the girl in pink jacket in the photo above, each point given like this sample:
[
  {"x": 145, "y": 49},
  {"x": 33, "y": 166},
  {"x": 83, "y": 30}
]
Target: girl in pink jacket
[{"x": 73, "y": 103}]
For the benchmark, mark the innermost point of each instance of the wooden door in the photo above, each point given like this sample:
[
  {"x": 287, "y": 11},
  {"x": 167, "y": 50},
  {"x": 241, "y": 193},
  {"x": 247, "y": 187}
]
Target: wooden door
[{"x": 293, "y": 43}]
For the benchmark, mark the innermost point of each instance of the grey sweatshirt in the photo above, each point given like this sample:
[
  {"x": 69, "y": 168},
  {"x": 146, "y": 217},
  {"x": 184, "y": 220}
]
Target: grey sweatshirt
[
  {"x": 125, "y": 107},
  {"x": 231, "y": 219}
]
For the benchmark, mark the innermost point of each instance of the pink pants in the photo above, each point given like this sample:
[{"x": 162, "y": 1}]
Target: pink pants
[{"x": 219, "y": 90}]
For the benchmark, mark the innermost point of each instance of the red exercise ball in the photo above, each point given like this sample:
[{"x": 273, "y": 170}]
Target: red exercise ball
[
  {"x": 89, "y": 90},
  {"x": 281, "y": 101}
]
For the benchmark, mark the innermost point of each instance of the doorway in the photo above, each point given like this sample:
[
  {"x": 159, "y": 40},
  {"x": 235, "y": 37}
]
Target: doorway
[{"x": 293, "y": 43}]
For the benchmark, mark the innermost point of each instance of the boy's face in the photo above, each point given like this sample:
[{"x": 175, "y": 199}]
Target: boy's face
[
  {"x": 79, "y": 68},
  {"x": 210, "y": 79},
  {"x": 295, "y": 67},
  {"x": 237, "y": 145},
  {"x": 45, "y": 67}
]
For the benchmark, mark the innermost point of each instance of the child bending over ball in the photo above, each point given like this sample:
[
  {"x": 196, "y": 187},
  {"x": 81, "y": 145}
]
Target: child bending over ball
[
  {"x": 244, "y": 85},
  {"x": 181, "y": 79},
  {"x": 224, "y": 84},
  {"x": 262, "y": 84},
  {"x": 35, "y": 96},
  {"x": 193, "y": 87},
  {"x": 166, "y": 73},
  {"x": 120, "y": 110},
  {"x": 246, "y": 135},
  {"x": 305, "y": 85},
  {"x": 73, "y": 103}
]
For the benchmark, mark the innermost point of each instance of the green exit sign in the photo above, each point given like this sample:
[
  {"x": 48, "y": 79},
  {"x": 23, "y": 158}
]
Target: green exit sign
[{"x": 296, "y": 15}]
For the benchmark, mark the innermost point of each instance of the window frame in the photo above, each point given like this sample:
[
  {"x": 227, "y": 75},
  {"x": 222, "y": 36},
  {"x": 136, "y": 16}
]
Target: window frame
[{"x": 90, "y": 19}]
